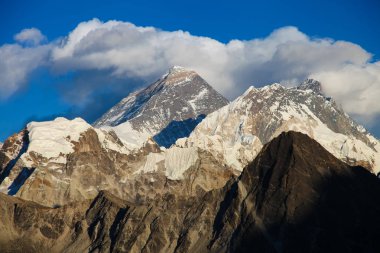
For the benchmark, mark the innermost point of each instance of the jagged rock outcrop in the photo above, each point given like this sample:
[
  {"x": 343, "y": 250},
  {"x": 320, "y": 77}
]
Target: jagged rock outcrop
[{"x": 294, "y": 197}]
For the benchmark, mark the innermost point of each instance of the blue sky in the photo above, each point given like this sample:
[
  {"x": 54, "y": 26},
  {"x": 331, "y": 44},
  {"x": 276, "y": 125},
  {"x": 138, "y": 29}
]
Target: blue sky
[{"x": 77, "y": 88}]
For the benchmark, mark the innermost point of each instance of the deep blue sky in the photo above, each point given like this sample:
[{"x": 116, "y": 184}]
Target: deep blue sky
[{"x": 352, "y": 20}]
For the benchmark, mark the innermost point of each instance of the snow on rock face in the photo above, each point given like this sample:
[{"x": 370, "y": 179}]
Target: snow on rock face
[
  {"x": 57, "y": 138},
  {"x": 131, "y": 137},
  {"x": 311, "y": 84},
  {"x": 178, "y": 160},
  {"x": 110, "y": 141},
  {"x": 68, "y": 160},
  {"x": 151, "y": 164},
  {"x": 179, "y": 95},
  {"x": 51, "y": 138},
  {"x": 175, "y": 162},
  {"x": 60, "y": 160},
  {"x": 236, "y": 132}
]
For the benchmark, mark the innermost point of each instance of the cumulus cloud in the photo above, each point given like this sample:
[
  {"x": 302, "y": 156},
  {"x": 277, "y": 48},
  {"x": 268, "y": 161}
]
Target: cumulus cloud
[
  {"x": 131, "y": 54},
  {"x": 19, "y": 60},
  {"x": 30, "y": 36},
  {"x": 16, "y": 64},
  {"x": 356, "y": 87},
  {"x": 93, "y": 92}
]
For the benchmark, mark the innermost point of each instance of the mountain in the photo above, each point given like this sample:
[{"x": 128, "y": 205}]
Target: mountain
[
  {"x": 297, "y": 197},
  {"x": 39, "y": 162},
  {"x": 181, "y": 97},
  {"x": 294, "y": 197},
  {"x": 236, "y": 132},
  {"x": 61, "y": 161}
]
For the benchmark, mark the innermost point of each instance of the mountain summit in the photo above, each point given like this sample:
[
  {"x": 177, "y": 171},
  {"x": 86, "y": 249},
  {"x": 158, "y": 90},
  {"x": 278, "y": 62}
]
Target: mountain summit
[
  {"x": 180, "y": 95},
  {"x": 311, "y": 84}
]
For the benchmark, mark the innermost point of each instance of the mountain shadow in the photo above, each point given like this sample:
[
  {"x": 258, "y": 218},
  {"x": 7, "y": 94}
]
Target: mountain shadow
[
  {"x": 4, "y": 160},
  {"x": 20, "y": 180},
  {"x": 177, "y": 129}
]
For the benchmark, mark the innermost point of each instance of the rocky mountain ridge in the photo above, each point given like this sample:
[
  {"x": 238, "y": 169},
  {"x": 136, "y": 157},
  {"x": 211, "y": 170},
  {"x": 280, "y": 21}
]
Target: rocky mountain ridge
[
  {"x": 236, "y": 132},
  {"x": 287, "y": 200},
  {"x": 60, "y": 161},
  {"x": 179, "y": 96}
]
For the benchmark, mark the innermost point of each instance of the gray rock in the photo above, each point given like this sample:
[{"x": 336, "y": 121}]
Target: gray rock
[{"x": 179, "y": 95}]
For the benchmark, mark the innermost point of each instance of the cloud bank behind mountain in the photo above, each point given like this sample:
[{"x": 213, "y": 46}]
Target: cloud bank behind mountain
[{"x": 124, "y": 56}]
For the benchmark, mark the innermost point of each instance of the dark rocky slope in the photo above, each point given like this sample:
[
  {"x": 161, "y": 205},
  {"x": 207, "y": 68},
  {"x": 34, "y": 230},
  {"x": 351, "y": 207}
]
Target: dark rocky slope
[
  {"x": 294, "y": 197},
  {"x": 297, "y": 197}
]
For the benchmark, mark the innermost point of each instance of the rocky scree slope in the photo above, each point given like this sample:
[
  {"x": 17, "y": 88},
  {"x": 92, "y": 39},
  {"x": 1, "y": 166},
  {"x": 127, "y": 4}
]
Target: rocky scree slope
[{"x": 287, "y": 200}]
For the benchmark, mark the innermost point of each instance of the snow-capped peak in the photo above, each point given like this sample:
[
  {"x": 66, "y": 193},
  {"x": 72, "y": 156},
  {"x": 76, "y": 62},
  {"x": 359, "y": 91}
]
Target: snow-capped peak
[
  {"x": 177, "y": 97},
  {"x": 267, "y": 90},
  {"x": 273, "y": 86},
  {"x": 50, "y": 138},
  {"x": 58, "y": 137},
  {"x": 237, "y": 131},
  {"x": 249, "y": 90},
  {"x": 177, "y": 69},
  {"x": 311, "y": 84}
]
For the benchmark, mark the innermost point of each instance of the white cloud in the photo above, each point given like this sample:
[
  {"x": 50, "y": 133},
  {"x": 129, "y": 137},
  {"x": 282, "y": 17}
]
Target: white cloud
[
  {"x": 18, "y": 61},
  {"x": 286, "y": 55},
  {"x": 356, "y": 87},
  {"x": 30, "y": 36},
  {"x": 16, "y": 64}
]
